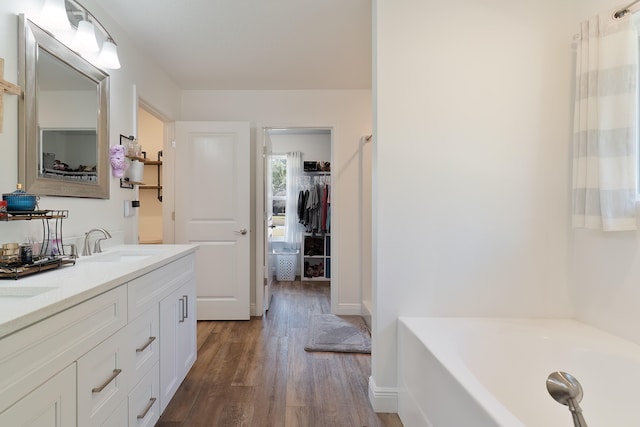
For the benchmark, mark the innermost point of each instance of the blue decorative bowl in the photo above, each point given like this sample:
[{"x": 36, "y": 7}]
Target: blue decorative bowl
[{"x": 20, "y": 201}]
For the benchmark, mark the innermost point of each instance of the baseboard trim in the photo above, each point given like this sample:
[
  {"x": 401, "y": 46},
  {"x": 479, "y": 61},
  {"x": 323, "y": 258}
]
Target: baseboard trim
[
  {"x": 367, "y": 310},
  {"x": 349, "y": 310},
  {"x": 383, "y": 399},
  {"x": 253, "y": 309}
]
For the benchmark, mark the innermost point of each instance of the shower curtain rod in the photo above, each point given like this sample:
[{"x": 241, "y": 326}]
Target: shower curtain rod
[{"x": 625, "y": 10}]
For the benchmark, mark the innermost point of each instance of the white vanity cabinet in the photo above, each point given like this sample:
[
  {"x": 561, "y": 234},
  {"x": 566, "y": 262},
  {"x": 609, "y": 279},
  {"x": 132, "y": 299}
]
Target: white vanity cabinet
[
  {"x": 178, "y": 344},
  {"x": 171, "y": 290},
  {"x": 34, "y": 356},
  {"x": 98, "y": 362}
]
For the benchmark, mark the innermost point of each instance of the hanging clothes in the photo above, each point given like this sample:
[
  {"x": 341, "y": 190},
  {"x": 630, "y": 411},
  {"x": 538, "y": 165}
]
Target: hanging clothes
[
  {"x": 308, "y": 205},
  {"x": 313, "y": 205},
  {"x": 325, "y": 196},
  {"x": 301, "y": 206}
]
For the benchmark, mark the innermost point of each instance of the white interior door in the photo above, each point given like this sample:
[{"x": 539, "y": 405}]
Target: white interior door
[{"x": 212, "y": 203}]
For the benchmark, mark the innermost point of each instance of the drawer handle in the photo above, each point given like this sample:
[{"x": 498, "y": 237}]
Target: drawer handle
[
  {"x": 182, "y": 316},
  {"x": 147, "y": 408},
  {"x": 186, "y": 306},
  {"x": 147, "y": 344},
  {"x": 113, "y": 376}
]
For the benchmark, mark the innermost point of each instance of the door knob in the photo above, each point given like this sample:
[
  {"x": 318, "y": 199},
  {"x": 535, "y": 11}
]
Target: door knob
[{"x": 242, "y": 231}]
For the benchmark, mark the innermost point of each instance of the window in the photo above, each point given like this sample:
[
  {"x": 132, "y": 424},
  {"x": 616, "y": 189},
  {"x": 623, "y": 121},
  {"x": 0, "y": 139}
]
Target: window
[{"x": 279, "y": 194}]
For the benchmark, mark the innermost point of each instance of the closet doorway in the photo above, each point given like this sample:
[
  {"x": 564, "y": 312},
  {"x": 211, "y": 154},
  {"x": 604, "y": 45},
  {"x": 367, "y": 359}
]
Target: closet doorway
[
  {"x": 151, "y": 136},
  {"x": 297, "y": 205}
]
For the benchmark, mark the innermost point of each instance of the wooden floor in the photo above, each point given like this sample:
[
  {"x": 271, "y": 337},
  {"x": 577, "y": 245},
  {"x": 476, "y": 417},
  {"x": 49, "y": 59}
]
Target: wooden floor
[{"x": 256, "y": 373}]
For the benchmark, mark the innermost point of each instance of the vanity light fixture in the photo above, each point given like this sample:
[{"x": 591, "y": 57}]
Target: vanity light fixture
[{"x": 88, "y": 35}]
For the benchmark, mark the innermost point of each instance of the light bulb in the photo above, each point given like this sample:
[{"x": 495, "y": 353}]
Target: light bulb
[
  {"x": 109, "y": 55},
  {"x": 54, "y": 15},
  {"x": 85, "y": 39}
]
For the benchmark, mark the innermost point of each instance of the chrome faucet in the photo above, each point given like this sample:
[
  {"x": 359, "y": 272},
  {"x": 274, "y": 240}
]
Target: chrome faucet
[
  {"x": 73, "y": 250},
  {"x": 86, "y": 251}
]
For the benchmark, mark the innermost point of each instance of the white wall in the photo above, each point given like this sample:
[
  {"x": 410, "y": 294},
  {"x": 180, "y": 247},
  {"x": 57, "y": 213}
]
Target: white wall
[
  {"x": 471, "y": 165},
  {"x": 152, "y": 85},
  {"x": 314, "y": 147},
  {"x": 349, "y": 114}
]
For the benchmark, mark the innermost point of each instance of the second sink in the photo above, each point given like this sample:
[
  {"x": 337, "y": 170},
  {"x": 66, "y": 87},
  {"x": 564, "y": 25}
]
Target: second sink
[
  {"x": 9, "y": 295},
  {"x": 118, "y": 256}
]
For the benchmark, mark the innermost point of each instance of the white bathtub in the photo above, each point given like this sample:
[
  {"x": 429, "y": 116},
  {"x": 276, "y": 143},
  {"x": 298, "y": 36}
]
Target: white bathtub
[{"x": 480, "y": 372}]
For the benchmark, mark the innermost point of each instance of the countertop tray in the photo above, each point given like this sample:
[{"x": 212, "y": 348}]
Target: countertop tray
[{"x": 15, "y": 271}]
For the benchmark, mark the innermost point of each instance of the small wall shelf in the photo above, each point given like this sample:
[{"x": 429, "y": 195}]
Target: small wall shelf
[
  {"x": 158, "y": 164},
  {"x": 127, "y": 183}
]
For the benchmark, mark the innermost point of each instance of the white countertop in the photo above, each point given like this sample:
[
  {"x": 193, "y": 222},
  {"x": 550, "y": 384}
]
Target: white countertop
[{"x": 73, "y": 284}]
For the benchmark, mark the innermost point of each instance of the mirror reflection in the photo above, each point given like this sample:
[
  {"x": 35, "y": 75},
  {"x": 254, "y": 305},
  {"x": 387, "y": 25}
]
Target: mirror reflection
[
  {"x": 64, "y": 119},
  {"x": 68, "y": 154},
  {"x": 68, "y": 137}
]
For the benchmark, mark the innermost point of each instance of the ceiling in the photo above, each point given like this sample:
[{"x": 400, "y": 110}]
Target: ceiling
[{"x": 252, "y": 44}]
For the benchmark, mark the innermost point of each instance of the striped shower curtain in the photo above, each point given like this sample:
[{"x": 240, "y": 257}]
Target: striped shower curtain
[
  {"x": 292, "y": 228},
  {"x": 605, "y": 125}
]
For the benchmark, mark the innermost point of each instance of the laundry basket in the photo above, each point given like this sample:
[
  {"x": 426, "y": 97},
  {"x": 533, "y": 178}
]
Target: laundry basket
[{"x": 286, "y": 264}]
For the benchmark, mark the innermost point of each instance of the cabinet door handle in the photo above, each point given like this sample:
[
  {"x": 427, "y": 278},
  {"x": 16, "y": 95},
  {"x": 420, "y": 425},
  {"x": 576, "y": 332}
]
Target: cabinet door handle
[
  {"x": 101, "y": 387},
  {"x": 186, "y": 306},
  {"x": 145, "y": 345},
  {"x": 181, "y": 310},
  {"x": 147, "y": 408}
]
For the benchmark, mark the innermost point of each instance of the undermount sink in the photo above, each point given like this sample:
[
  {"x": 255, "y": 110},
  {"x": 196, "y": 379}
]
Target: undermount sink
[
  {"x": 119, "y": 256},
  {"x": 9, "y": 295}
]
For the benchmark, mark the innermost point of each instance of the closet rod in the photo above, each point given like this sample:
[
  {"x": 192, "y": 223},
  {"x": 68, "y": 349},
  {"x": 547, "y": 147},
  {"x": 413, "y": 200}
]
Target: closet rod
[{"x": 625, "y": 10}]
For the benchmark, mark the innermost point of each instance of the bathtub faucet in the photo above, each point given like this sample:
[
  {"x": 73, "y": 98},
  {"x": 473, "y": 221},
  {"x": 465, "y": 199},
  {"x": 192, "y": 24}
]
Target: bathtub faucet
[{"x": 565, "y": 389}]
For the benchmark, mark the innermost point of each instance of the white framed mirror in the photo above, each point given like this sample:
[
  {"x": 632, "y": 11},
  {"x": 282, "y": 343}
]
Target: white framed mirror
[{"x": 63, "y": 119}]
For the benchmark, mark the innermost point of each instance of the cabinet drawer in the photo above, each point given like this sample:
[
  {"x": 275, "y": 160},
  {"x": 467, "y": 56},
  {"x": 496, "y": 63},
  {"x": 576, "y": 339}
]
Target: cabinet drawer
[
  {"x": 52, "y": 404},
  {"x": 118, "y": 418},
  {"x": 103, "y": 376},
  {"x": 144, "y": 402},
  {"x": 146, "y": 291},
  {"x": 144, "y": 344},
  {"x": 28, "y": 358}
]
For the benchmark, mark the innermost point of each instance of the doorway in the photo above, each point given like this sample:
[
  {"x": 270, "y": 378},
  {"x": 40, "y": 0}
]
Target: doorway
[
  {"x": 311, "y": 242},
  {"x": 151, "y": 136}
]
